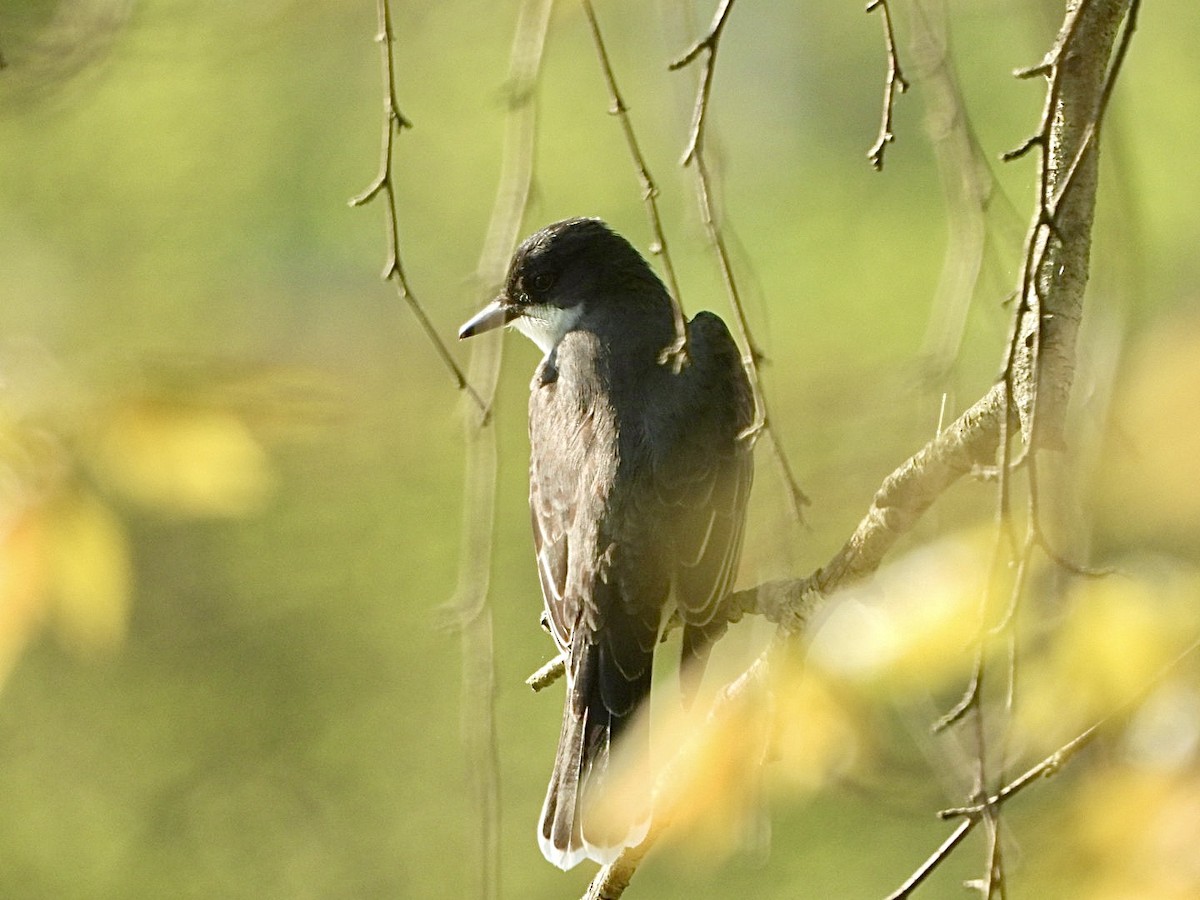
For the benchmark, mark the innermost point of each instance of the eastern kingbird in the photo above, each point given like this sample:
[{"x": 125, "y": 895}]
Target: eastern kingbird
[{"x": 638, "y": 482}]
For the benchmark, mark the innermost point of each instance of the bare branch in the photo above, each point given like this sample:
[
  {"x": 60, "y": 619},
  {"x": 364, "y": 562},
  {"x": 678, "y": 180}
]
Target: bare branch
[
  {"x": 1040, "y": 352},
  {"x": 894, "y": 84},
  {"x": 1055, "y": 266},
  {"x": 393, "y": 271},
  {"x": 675, "y": 354},
  {"x": 709, "y": 44},
  {"x": 926, "y": 868}
]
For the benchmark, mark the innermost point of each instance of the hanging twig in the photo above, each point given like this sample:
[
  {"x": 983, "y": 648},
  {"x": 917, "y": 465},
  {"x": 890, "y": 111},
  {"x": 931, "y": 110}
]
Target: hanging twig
[
  {"x": 694, "y": 155},
  {"x": 1040, "y": 348},
  {"x": 393, "y": 270},
  {"x": 675, "y": 354},
  {"x": 893, "y": 84},
  {"x": 707, "y": 44}
]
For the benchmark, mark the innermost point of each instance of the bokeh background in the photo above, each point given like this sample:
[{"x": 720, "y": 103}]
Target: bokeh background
[{"x": 231, "y": 465}]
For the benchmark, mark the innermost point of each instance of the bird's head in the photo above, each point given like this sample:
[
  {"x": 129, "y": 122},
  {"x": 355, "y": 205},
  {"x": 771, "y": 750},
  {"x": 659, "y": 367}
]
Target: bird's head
[{"x": 557, "y": 276}]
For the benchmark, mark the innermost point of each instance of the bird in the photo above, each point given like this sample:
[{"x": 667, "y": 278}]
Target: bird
[{"x": 638, "y": 483}]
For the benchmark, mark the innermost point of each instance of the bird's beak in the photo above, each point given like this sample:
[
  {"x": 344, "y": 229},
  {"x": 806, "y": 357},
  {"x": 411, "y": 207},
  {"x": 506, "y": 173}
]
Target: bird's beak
[{"x": 495, "y": 314}]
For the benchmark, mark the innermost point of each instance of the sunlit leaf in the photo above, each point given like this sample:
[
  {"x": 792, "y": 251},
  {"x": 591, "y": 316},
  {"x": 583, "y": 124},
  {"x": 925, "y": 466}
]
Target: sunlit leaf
[
  {"x": 1130, "y": 834},
  {"x": 786, "y": 725},
  {"x": 817, "y": 727},
  {"x": 1119, "y": 633},
  {"x": 915, "y": 626},
  {"x": 184, "y": 459}
]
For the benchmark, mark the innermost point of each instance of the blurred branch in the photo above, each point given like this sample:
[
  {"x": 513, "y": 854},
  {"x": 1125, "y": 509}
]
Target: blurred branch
[
  {"x": 470, "y": 611},
  {"x": 674, "y": 354},
  {"x": 694, "y": 154},
  {"x": 393, "y": 123},
  {"x": 893, "y": 84},
  {"x": 968, "y": 186}
]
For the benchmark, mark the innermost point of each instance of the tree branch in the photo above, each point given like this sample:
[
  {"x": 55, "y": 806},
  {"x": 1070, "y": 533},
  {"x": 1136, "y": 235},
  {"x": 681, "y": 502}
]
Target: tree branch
[
  {"x": 1039, "y": 362},
  {"x": 708, "y": 44},
  {"x": 675, "y": 354},
  {"x": 893, "y": 84},
  {"x": 393, "y": 123},
  {"x": 1049, "y": 766},
  {"x": 694, "y": 154},
  {"x": 1055, "y": 268}
]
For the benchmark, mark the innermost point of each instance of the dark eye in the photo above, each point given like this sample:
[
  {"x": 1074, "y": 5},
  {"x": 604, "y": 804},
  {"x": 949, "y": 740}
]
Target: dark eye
[{"x": 543, "y": 281}]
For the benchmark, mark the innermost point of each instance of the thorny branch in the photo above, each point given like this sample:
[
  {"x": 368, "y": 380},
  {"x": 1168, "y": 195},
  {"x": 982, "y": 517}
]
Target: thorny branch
[
  {"x": 1046, "y": 239},
  {"x": 674, "y": 354},
  {"x": 1040, "y": 350},
  {"x": 894, "y": 84},
  {"x": 694, "y": 154},
  {"x": 393, "y": 270}
]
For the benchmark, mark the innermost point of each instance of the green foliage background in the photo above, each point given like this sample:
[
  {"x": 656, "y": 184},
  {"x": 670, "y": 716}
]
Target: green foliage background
[{"x": 281, "y": 719}]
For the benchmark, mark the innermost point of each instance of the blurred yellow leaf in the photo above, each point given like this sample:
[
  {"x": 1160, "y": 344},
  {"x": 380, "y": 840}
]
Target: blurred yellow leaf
[
  {"x": 1130, "y": 834},
  {"x": 195, "y": 461},
  {"x": 1152, "y": 479},
  {"x": 707, "y": 776},
  {"x": 90, "y": 576},
  {"x": 817, "y": 735},
  {"x": 915, "y": 627},
  {"x": 1119, "y": 633}
]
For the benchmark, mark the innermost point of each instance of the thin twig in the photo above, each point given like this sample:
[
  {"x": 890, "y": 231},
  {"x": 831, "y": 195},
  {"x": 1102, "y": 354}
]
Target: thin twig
[
  {"x": 675, "y": 354},
  {"x": 1049, "y": 766},
  {"x": 894, "y": 83},
  {"x": 393, "y": 270},
  {"x": 926, "y": 868},
  {"x": 694, "y": 154},
  {"x": 708, "y": 43}
]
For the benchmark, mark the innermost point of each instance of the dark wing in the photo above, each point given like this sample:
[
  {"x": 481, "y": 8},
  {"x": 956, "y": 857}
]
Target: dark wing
[
  {"x": 705, "y": 482},
  {"x": 567, "y": 481}
]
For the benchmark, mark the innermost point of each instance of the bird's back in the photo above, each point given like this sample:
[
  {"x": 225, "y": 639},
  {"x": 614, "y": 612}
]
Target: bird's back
[{"x": 638, "y": 484}]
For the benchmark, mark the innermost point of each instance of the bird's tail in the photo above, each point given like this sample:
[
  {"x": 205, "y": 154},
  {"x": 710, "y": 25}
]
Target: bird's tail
[{"x": 573, "y": 828}]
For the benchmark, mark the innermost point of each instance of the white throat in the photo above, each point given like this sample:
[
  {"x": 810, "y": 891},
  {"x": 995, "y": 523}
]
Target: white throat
[{"x": 547, "y": 325}]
